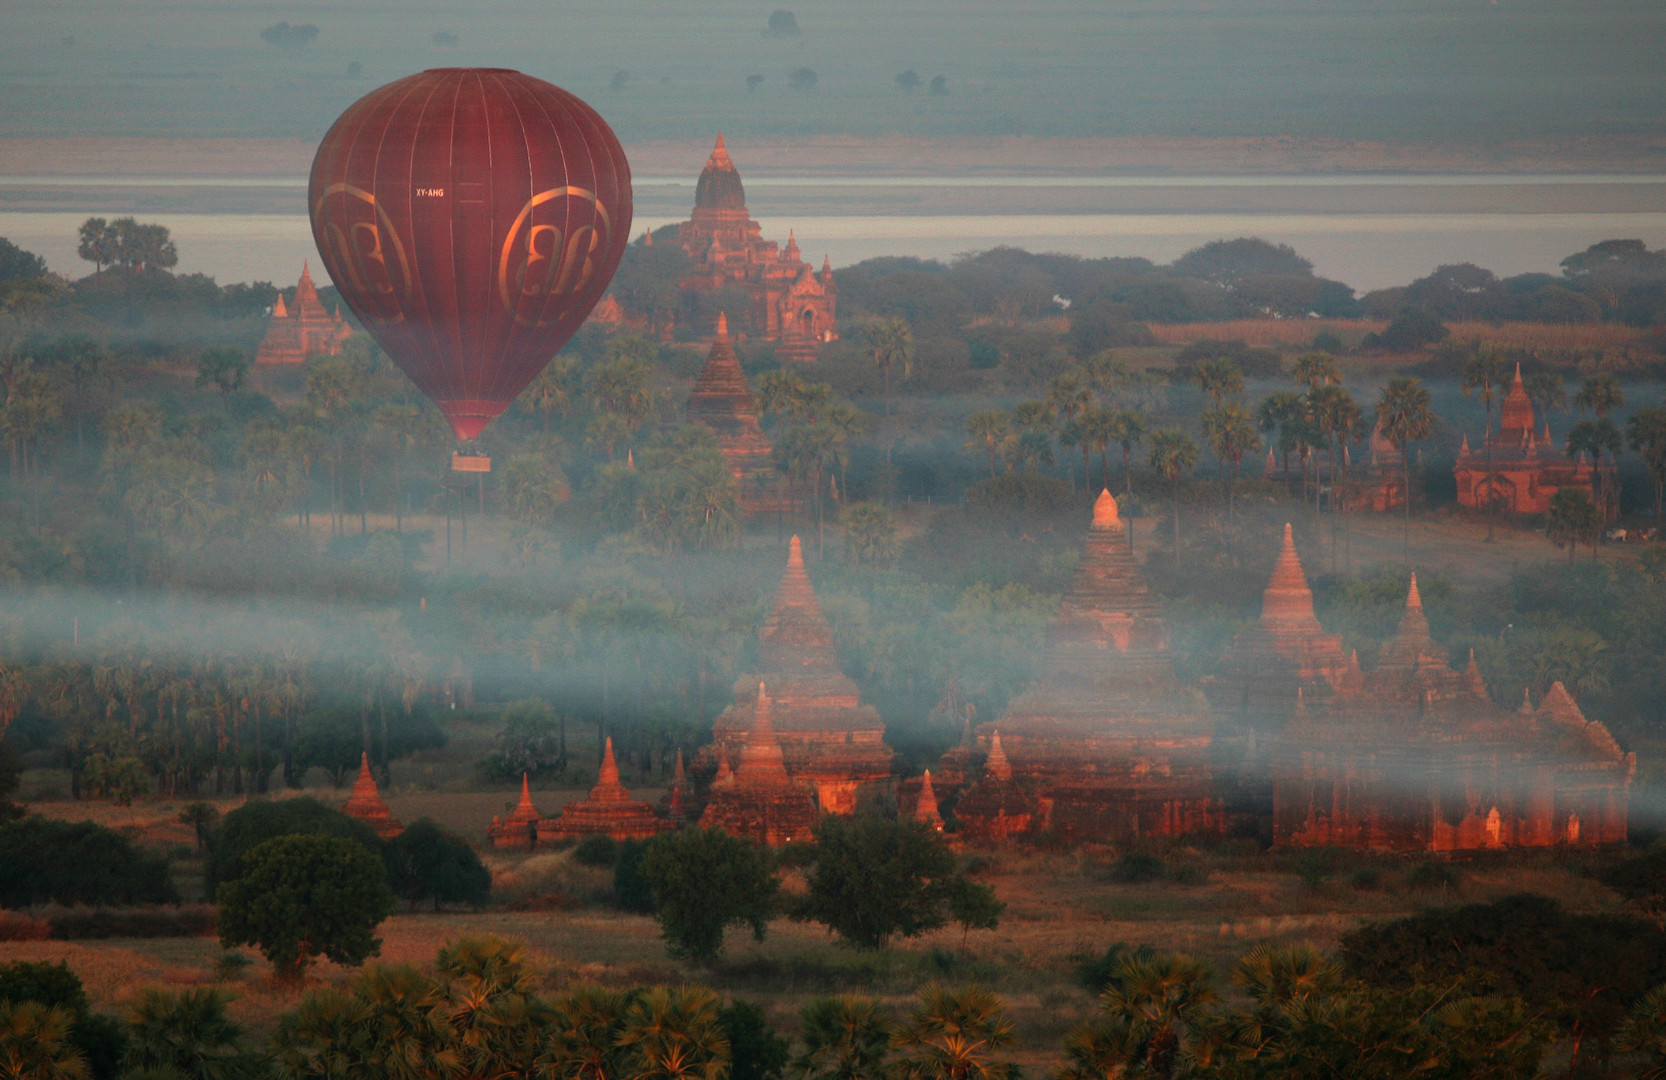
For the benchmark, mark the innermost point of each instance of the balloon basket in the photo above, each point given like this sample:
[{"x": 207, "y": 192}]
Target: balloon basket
[{"x": 477, "y": 463}]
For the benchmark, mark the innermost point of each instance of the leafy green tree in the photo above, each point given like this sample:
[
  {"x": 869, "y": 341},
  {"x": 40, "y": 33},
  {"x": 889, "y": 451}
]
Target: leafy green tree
[
  {"x": 703, "y": 881},
  {"x": 35, "y": 1043},
  {"x": 874, "y": 878},
  {"x": 844, "y": 1038},
  {"x": 532, "y": 743},
  {"x": 1484, "y": 374},
  {"x": 870, "y": 534},
  {"x": 260, "y": 820},
  {"x": 304, "y": 896},
  {"x": 1174, "y": 456},
  {"x": 426, "y": 862},
  {"x": 1646, "y": 433},
  {"x": 97, "y": 243},
  {"x": 224, "y": 369},
  {"x": 1573, "y": 520},
  {"x": 630, "y": 886},
  {"x": 755, "y": 1051},
  {"x": 1404, "y": 416},
  {"x": 187, "y": 1031},
  {"x": 952, "y": 1034}
]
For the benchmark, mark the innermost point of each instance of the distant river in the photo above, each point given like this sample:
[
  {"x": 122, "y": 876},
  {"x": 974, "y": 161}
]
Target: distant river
[{"x": 1369, "y": 231}]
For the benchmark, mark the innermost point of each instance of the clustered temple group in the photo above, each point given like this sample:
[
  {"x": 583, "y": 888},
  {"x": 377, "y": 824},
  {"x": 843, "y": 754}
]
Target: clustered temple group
[{"x": 1107, "y": 746}]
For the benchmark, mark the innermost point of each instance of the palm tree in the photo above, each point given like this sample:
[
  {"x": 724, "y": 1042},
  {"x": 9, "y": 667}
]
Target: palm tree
[
  {"x": 1129, "y": 430},
  {"x": 1646, "y": 432},
  {"x": 1336, "y": 414},
  {"x": 890, "y": 343},
  {"x": 35, "y": 1043},
  {"x": 1596, "y": 438},
  {"x": 1547, "y": 392},
  {"x": 803, "y": 452},
  {"x": 404, "y": 425},
  {"x": 1231, "y": 435},
  {"x": 1174, "y": 455},
  {"x": 495, "y": 1011},
  {"x": 551, "y": 392},
  {"x": 675, "y": 1033},
  {"x": 187, "y": 1031},
  {"x": 584, "y": 1041},
  {"x": 846, "y": 422},
  {"x": 1316, "y": 369},
  {"x": 1069, "y": 395},
  {"x": 408, "y": 1024},
  {"x": 1163, "y": 997},
  {"x": 951, "y": 1035},
  {"x": 1404, "y": 416},
  {"x": 1276, "y": 975},
  {"x": 1644, "y": 1031},
  {"x": 845, "y": 1038},
  {"x": 1483, "y": 374},
  {"x": 324, "y": 1038},
  {"x": 1219, "y": 378},
  {"x": 1599, "y": 394}
]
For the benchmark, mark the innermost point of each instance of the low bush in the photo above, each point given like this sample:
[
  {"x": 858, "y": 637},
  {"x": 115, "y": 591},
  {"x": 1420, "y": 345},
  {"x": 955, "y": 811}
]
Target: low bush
[
  {"x": 16, "y": 926},
  {"x": 43, "y": 860},
  {"x": 1136, "y": 868},
  {"x": 94, "y": 923},
  {"x": 597, "y": 850},
  {"x": 1433, "y": 875}
]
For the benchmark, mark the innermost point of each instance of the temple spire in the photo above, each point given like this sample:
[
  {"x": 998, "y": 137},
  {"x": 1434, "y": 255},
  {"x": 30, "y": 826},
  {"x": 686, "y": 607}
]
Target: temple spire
[
  {"x": 1288, "y": 599},
  {"x": 925, "y": 808},
  {"x": 997, "y": 765},
  {"x": 1105, "y": 515},
  {"x": 720, "y": 155},
  {"x": 761, "y": 760},
  {"x": 722, "y": 326}
]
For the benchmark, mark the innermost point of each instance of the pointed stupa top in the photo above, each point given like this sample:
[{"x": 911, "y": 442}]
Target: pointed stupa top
[
  {"x": 1526, "y": 701},
  {"x": 1105, "y": 515},
  {"x": 719, "y": 186},
  {"x": 366, "y": 803},
  {"x": 1463, "y": 451},
  {"x": 608, "y": 788},
  {"x": 925, "y": 808},
  {"x": 790, "y": 252},
  {"x": 1414, "y": 625},
  {"x": 721, "y": 399},
  {"x": 647, "y": 238},
  {"x": 279, "y": 309},
  {"x": 1288, "y": 601},
  {"x": 679, "y": 779},
  {"x": 524, "y": 810},
  {"x": 996, "y": 764},
  {"x": 795, "y": 636},
  {"x": 826, "y": 265},
  {"x": 1515, "y": 421},
  {"x": 1472, "y": 677},
  {"x": 761, "y": 761}
]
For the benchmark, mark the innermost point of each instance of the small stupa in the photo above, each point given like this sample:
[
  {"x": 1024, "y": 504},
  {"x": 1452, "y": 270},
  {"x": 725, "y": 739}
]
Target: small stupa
[
  {"x": 366, "y": 803},
  {"x": 608, "y": 810},
  {"x": 925, "y": 804},
  {"x": 520, "y": 829}
]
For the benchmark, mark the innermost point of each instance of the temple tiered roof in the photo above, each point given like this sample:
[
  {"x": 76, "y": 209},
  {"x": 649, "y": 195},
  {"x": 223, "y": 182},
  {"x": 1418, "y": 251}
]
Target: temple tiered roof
[
  {"x": 608, "y": 810},
  {"x": 304, "y": 330},
  {"x": 760, "y": 801},
  {"x": 722, "y": 402},
  {"x": 365, "y": 803},
  {"x": 520, "y": 828},
  {"x": 827, "y": 736}
]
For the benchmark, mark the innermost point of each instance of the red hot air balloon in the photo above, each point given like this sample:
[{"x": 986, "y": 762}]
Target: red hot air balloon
[{"x": 471, "y": 218}]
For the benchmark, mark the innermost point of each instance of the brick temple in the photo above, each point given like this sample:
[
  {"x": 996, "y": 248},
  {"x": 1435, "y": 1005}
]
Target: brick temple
[
  {"x": 609, "y": 810},
  {"x": 829, "y": 740},
  {"x": 757, "y": 798},
  {"x": 1413, "y": 755},
  {"x": 722, "y": 402},
  {"x": 519, "y": 830},
  {"x": 299, "y": 333},
  {"x": 1106, "y": 746},
  {"x": 1527, "y": 466},
  {"x": 365, "y": 803},
  {"x": 792, "y": 305}
]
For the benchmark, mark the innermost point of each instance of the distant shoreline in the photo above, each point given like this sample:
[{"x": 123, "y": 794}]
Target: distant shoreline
[{"x": 902, "y": 156}]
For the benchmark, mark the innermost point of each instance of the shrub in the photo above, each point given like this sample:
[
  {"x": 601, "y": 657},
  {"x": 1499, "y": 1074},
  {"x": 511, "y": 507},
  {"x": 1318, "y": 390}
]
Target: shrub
[
  {"x": 1431, "y": 874},
  {"x": 597, "y": 850},
  {"x": 16, "y": 926},
  {"x": 1136, "y": 868},
  {"x": 630, "y": 887},
  {"x": 43, "y": 860},
  {"x": 755, "y": 1051},
  {"x": 1367, "y": 878},
  {"x": 85, "y": 924},
  {"x": 703, "y": 881}
]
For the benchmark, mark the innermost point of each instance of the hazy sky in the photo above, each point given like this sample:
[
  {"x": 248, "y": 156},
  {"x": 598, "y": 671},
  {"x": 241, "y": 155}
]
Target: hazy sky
[{"x": 1471, "y": 70}]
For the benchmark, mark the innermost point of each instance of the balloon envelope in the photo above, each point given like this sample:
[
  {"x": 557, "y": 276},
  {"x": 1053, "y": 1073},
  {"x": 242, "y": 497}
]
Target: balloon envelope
[{"x": 471, "y": 218}]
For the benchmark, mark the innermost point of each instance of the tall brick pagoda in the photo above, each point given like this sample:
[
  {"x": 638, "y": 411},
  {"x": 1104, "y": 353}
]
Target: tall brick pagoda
[
  {"x": 791, "y": 304},
  {"x": 759, "y": 800},
  {"x": 828, "y": 738},
  {"x": 365, "y": 803},
  {"x": 609, "y": 810},
  {"x": 722, "y": 402},
  {"x": 1413, "y": 755},
  {"x": 1106, "y": 744},
  {"x": 298, "y": 333}
]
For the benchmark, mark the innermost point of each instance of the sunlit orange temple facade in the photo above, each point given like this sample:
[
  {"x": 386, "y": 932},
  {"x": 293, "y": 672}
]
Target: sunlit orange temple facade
[
  {"x": 297, "y": 334},
  {"x": 722, "y": 402},
  {"x": 792, "y": 305},
  {"x": 1413, "y": 755},
  {"x": 830, "y": 742},
  {"x": 1527, "y": 468},
  {"x": 365, "y": 803},
  {"x": 1106, "y": 746}
]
